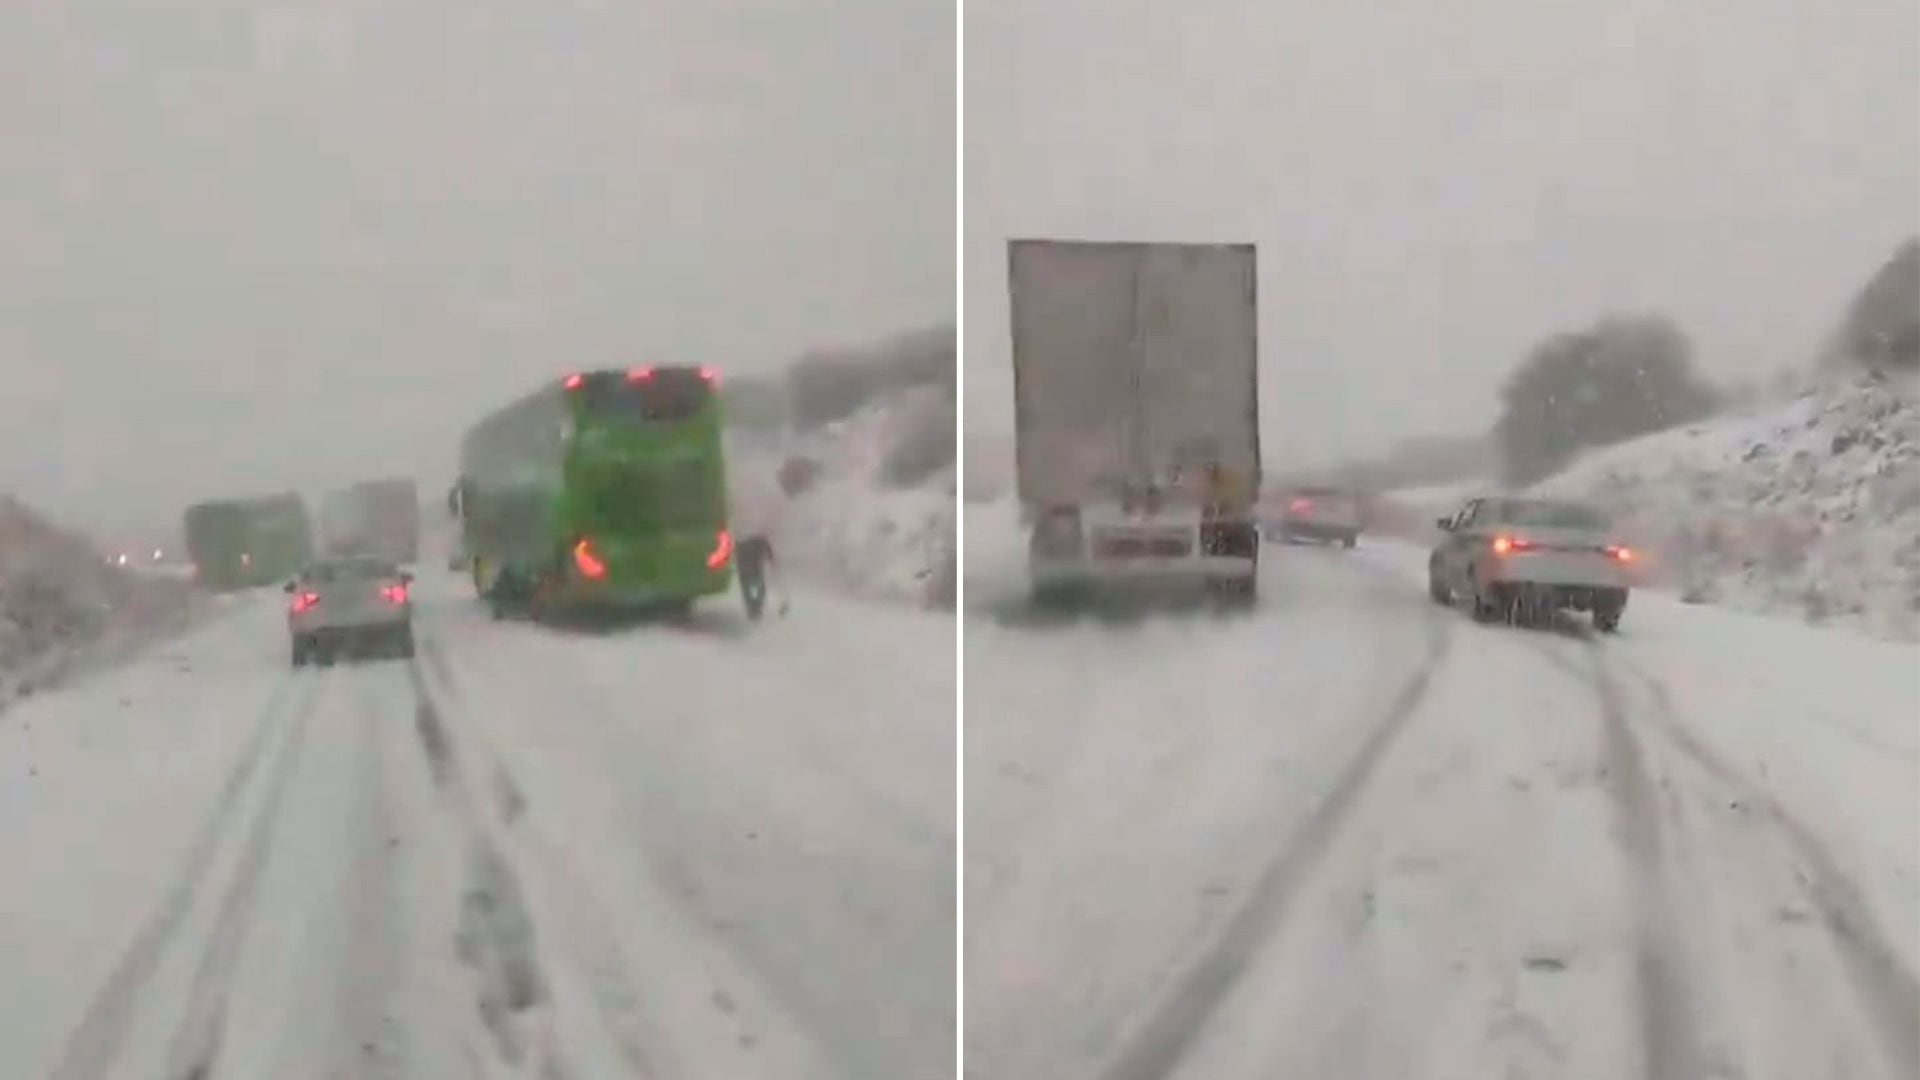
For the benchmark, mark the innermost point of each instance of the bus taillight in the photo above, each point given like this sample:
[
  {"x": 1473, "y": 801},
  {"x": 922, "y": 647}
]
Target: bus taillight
[
  {"x": 722, "y": 550},
  {"x": 588, "y": 561}
]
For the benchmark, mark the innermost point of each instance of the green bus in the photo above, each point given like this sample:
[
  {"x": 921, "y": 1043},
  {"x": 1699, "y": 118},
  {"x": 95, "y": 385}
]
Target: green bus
[
  {"x": 247, "y": 543},
  {"x": 603, "y": 489}
]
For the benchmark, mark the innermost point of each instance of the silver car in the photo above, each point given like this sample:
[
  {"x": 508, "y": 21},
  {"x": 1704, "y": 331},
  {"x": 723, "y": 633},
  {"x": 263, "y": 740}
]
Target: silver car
[
  {"x": 1523, "y": 559},
  {"x": 352, "y": 606}
]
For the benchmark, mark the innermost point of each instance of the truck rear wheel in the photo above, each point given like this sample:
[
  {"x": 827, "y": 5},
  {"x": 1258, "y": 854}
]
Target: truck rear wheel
[
  {"x": 1057, "y": 596},
  {"x": 1235, "y": 594}
]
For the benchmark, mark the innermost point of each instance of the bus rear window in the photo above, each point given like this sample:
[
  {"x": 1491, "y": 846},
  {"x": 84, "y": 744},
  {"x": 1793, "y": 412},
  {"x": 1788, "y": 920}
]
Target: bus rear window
[{"x": 668, "y": 393}]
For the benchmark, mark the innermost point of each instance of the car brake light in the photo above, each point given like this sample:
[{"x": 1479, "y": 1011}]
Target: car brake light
[
  {"x": 640, "y": 374},
  {"x": 722, "y": 550},
  {"x": 710, "y": 375},
  {"x": 1505, "y": 545},
  {"x": 305, "y": 602},
  {"x": 588, "y": 562},
  {"x": 1621, "y": 552},
  {"x": 1300, "y": 506},
  {"x": 574, "y": 381},
  {"x": 393, "y": 594}
]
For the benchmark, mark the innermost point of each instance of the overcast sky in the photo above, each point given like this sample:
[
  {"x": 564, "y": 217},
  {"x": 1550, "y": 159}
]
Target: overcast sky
[
  {"x": 258, "y": 245},
  {"x": 1433, "y": 187}
]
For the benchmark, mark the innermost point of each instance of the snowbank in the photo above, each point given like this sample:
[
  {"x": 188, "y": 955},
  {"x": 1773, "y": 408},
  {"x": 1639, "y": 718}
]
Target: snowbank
[
  {"x": 1808, "y": 508},
  {"x": 63, "y": 608},
  {"x": 868, "y": 503}
]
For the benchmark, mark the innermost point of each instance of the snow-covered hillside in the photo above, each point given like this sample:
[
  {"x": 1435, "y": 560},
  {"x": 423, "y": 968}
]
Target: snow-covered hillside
[
  {"x": 1808, "y": 508},
  {"x": 62, "y": 606},
  {"x": 867, "y": 502}
]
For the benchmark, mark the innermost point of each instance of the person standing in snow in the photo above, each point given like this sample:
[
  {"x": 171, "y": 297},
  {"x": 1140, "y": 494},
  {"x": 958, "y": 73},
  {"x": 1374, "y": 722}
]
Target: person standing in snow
[{"x": 753, "y": 555}]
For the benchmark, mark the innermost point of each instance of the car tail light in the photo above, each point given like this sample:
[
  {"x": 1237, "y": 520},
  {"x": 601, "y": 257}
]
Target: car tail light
[
  {"x": 588, "y": 560},
  {"x": 1300, "y": 506},
  {"x": 393, "y": 594},
  {"x": 710, "y": 375},
  {"x": 573, "y": 381},
  {"x": 1620, "y": 552},
  {"x": 722, "y": 550},
  {"x": 304, "y": 602},
  {"x": 640, "y": 374},
  {"x": 1507, "y": 545}
]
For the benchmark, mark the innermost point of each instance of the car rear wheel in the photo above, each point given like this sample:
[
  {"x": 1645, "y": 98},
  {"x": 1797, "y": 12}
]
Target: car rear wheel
[
  {"x": 1490, "y": 603},
  {"x": 1437, "y": 590}
]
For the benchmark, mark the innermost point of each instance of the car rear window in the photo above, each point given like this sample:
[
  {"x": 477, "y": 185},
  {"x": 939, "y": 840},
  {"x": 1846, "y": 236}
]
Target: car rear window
[
  {"x": 357, "y": 570},
  {"x": 1553, "y": 515},
  {"x": 667, "y": 393}
]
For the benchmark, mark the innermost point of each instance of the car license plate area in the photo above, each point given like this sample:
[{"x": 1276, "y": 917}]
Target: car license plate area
[{"x": 1109, "y": 544}]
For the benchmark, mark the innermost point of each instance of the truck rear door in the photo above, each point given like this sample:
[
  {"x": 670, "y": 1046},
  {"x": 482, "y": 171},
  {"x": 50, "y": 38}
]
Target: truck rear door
[
  {"x": 1195, "y": 322},
  {"x": 1075, "y": 397}
]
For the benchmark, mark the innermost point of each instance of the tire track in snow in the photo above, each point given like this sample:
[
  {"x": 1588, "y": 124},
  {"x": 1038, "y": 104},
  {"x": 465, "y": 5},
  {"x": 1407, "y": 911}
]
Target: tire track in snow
[
  {"x": 377, "y": 1045},
  {"x": 1664, "y": 1007},
  {"x": 587, "y": 929},
  {"x": 1886, "y": 988},
  {"x": 495, "y": 934},
  {"x": 1161, "y": 1043},
  {"x": 95, "y": 1044},
  {"x": 195, "y": 1050},
  {"x": 1665, "y": 998}
]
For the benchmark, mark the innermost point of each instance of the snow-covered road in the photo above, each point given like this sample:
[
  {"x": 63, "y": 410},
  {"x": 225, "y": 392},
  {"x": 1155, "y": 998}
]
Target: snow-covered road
[
  {"x": 1356, "y": 835},
  {"x": 704, "y": 851}
]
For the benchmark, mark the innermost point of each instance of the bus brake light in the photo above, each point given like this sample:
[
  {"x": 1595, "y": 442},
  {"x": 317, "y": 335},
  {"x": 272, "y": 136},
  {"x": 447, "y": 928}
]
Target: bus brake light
[
  {"x": 722, "y": 550},
  {"x": 589, "y": 563}
]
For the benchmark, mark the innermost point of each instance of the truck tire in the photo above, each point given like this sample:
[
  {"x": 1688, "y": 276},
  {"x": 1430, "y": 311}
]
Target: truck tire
[
  {"x": 1056, "y": 596},
  {"x": 1607, "y": 612},
  {"x": 1235, "y": 594}
]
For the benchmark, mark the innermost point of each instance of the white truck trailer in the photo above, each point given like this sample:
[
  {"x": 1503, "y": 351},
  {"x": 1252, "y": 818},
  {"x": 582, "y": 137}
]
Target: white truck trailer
[{"x": 1136, "y": 390}]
